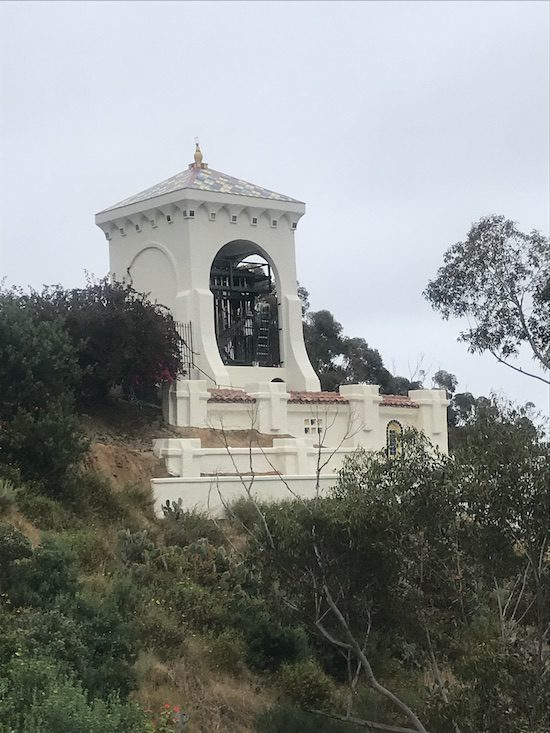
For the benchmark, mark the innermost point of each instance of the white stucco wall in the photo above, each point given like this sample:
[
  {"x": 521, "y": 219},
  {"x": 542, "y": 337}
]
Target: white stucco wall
[{"x": 211, "y": 494}]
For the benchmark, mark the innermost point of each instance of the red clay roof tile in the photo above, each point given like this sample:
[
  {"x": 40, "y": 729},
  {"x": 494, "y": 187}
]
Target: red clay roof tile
[
  {"x": 229, "y": 395},
  {"x": 397, "y": 400},
  {"x": 307, "y": 398}
]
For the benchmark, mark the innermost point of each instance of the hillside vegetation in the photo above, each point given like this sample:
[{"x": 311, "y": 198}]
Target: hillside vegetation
[{"x": 416, "y": 593}]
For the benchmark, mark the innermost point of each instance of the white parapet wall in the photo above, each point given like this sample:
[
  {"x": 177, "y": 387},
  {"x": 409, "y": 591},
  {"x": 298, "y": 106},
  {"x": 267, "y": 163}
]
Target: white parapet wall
[
  {"x": 311, "y": 435},
  {"x": 187, "y": 458},
  {"x": 212, "y": 494},
  {"x": 356, "y": 415}
]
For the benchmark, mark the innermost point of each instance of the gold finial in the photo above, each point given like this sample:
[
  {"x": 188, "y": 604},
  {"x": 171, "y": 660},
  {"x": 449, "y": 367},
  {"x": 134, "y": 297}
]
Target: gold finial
[{"x": 198, "y": 153}]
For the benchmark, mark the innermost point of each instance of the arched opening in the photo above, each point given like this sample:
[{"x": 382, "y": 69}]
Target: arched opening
[
  {"x": 394, "y": 431},
  {"x": 245, "y": 306}
]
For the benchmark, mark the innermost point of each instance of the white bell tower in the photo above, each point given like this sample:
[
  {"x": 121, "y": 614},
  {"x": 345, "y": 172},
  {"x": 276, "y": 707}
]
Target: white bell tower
[{"x": 219, "y": 252}]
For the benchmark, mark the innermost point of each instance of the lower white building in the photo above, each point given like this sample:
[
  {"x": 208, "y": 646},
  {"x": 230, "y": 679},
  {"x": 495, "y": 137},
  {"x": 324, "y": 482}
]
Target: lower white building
[{"x": 311, "y": 434}]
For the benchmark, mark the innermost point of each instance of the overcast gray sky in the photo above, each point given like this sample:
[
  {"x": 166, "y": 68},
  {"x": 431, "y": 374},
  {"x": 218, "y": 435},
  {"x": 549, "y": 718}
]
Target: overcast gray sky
[{"x": 398, "y": 123}]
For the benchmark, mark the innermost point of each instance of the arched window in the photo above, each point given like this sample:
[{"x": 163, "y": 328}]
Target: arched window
[
  {"x": 245, "y": 306},
  {"x": 394, "y": 431}
]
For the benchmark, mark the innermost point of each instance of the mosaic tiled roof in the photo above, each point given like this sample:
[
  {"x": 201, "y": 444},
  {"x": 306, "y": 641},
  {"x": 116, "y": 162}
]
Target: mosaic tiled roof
[
  {"x": 396, "y": 400},
  {"x": 203, "y": 179},
  {"x": 229, "y": 395},
  {"x": 307, "y": 398}
]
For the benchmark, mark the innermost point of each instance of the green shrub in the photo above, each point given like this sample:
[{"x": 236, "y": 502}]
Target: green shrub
[
  {"x": 44, "y": 576},
  {"x": 44, "y": 445},
  {"x": 183, "y": 527},
  {"x": 14, "y": 547},
  {"x": 137, "y": 496},
  {"x": 108, "y": 627},
  {"x": 55, "y": 635},
  {"x": 270, "y": 641},
  {"x": 91, "y": 495},
  {"x": 307, "y": 685},
  {"x": 228, "y": 652},
  {"x": 38, "y": 363},
  {"x": 89, "y": 548},
  {"x": 287, "y": 719},
  {"x": 162, "y": 630},
  {"x": 39, "y": 698},
  {"x": 244, "y": 511},
  {"x": 7, "y": 495},
  {"x": 10, "y": 640},
  {"x": 45, "y": 513},
  {"x": 201, "y": 608}
]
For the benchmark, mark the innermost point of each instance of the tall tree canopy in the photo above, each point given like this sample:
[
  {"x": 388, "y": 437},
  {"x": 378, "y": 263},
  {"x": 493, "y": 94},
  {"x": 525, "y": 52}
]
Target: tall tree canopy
[
  {"x": 499, "y": 279},
  {"x": 339, "y": 359}
]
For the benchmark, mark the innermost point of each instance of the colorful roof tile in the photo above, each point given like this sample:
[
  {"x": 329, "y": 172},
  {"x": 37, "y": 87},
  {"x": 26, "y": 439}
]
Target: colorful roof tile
[{"x": 202, "y": 178}]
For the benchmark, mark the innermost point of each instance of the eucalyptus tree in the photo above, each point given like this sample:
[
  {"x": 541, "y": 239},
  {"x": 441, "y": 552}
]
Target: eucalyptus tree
[{"x": 498, "y": 278}]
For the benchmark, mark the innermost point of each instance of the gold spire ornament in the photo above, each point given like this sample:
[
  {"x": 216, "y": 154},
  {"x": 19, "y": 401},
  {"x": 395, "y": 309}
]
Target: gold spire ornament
[{"x": 198, "y": 154}]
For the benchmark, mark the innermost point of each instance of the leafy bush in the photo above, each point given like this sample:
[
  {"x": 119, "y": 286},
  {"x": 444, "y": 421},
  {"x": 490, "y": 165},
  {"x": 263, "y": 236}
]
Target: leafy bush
[
  {"x": 120, "y": 336},
  {"x": 44, "y": 445},
  {"x": 39, "y": 698},
  {"x": 110, "y": 633},
  {"x": 45, "y": 513},
  {"x": 306, "y": 684},
  {"x": 184, "y": 526},
  {"x": 270, "y": 641},
  {"x": 140, "y": 497},
  {"x": 7, "y": 495},
  {"x": 89, "y": 548},
  {"x": 38, "y": 363},
  {"x": 14, "y": 547},
  {"x": 92, "y": 495},
  {"x": 228, "y": 652},
  {"x": 45, "y": 575},
  {"x": 244, "y": 511},
  {"x": 202, "y": 608},
  {"x": 162, "y": 630}
]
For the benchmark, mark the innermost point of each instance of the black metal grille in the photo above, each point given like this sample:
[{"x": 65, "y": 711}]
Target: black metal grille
[
  {"x": 185, "y": 332},
  {"x": 245, "y": 313}
]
